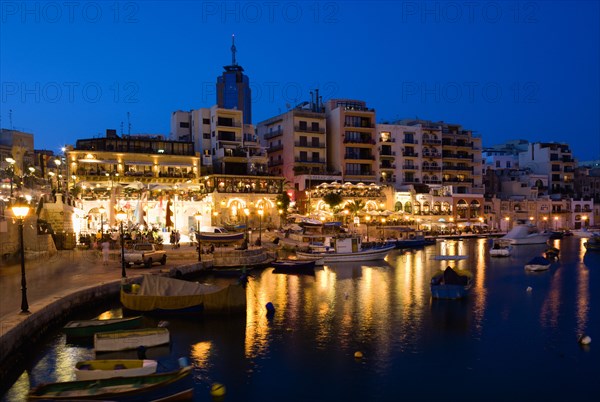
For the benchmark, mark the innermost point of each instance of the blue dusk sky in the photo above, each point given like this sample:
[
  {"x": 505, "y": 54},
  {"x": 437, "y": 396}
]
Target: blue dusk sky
[{"x": 507, "y": 70}]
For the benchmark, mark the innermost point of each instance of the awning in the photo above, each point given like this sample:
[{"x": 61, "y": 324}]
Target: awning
[{"x": 140, "y": 163}]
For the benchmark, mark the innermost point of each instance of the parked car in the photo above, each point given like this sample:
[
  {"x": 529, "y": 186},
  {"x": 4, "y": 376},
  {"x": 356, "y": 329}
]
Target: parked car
[{"x": 145, "y": 254}]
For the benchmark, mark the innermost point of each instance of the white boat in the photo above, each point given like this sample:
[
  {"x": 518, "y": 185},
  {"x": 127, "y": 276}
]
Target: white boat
[
  {"x": 131, "y": 339},
  {"x": 585, "y": 232},
  {"x": 501, "y": 248},
  {"x": 526, "y": 234},
  {"x": 97, "y": 369},
  {"x": 342, "y": 249},
  {"x": 538, "y": 264}
]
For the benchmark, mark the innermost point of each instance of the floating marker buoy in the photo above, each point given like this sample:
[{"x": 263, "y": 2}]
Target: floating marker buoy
[
  {"x": 183, "y": 362},
  {"x": 217, "y": 389},
  {"x": 358, "y": 355},
  {"x": 529, "y": 288},
  {"x": 585, "y": 340}
]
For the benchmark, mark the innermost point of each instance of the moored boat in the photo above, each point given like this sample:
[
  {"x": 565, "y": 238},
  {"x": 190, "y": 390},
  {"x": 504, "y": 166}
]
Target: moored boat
[
  {"x": 526, "y": 234},
  {"x": 87, "y": 328},
  {"x": 552, "y": 253},
  {"x": 152, "y": 387},
  {"x": 501, "y": 248},
  {"x": 343, "y": 249},
  {"x": 538, "y": 264},
  {"x": 130, "y": 339},
  {"x": 289, "y": 266},
  {"x": 97, "y": 369},
  {"x": 450, "y": 284},
  {"x": 158, "y": 294},
  {"x": 593, "y": 243}
]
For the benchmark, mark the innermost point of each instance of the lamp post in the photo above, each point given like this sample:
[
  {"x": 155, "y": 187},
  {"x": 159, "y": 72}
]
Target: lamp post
[
  {"x": 20, "y": 210},
  {"x": 367, "y": 220},
  {"x": 280, "y": 217},
  {"x": 12, "y": 162},
  {"x": 101, "y": 210},
  {"x": 57, "y": 162},
  {"x": 260, "y": 215},
  {"x": 545, "y": 218},
  {"x": 121, "y": 216},
  {"x": 556, "y": 223},
  {"x": 247, "y": 213},
  {"x": 382, "y": 229},
  {"x": 198, "y": 216}
]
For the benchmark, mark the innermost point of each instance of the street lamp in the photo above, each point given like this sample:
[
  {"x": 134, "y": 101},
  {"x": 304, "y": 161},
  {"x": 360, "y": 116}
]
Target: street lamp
[
  {"x": 247, "y": 213},
  {"x": 584, "y": 219},
  {"x": 382, "y": 229},
  {"x": 367, "y": 220},
  {"x": 20, "y": 210},
  {"x": 280, "y": 218},
  {"x": 121, "y": 216},
  {"x": 556, "y": 223},
  {"x": 545, "y": 218},
  {"x": 57, "y": 162},
  {"x": 198, "y": 217},
  {"x": 260, "y": 215},
  {"x": 12, "y": 162},
  {"x": 102, "y": 211}
]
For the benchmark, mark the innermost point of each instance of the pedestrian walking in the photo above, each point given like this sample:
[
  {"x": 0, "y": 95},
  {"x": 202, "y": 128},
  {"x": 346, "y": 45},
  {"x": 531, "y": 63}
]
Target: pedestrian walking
[{"x": 105, "y": 252}]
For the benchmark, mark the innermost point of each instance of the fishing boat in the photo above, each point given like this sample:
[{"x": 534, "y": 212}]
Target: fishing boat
[
  {"x": 87, "y": 328},
  {"x": 450, "y": 284},
  {"x": 151, "y": 387},
  {"x": 501, "y": 248},
  {"x": 593, "y": 243},
  {"x": 130, "y": 339},
  {"x": 160, "y": 295},
  {"x": 343, "y": 249},
  {"x": 289, "y": 266},
  {"x": 526, "y": 234},
  {"x": 97, "y": 369},
  {"x": 538, "y": 264}
]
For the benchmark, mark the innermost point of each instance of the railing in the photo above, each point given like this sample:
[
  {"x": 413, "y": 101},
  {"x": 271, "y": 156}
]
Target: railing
[
  {"x": 388, "y": 140},
  {"x": 409, "y": 167},
  {"x": 359, "y": 157},
  {"x": 410, "y": 142},
  {"x": 410, "y": 154},
  {"x": 432, "y": 142},
  {"x": 274, "y": 163},
  {"x": 308, "y": 129},
  {"x": 387, "y": 153},
  {"x": 309, "y": 145},
  {"x": 274, "y": 148},
  {"x": 273, "y": 134},
  {"x": 384, "y": 166},
  {"x": 358, "y": 141},
  {"x": 432, "y": 168},
  {"x": 306, "y": 160}
]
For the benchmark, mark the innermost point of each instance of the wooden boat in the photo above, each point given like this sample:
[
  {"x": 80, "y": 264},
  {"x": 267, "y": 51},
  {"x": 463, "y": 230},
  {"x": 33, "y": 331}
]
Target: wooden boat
[
  {"x": 538, "y": 264},
  {"x": 501, "y": 248},
  {"x": 450, "y": 284},
  {"x": 130, "y": 339},
  {"x": 226, "y": 237},
  {"x": 159, "y": 294},
  {"x": 345, "y": 249},
  {"x": 152, "y": 387},
  {"x": 87, "y": 328},
  {"x": 289, "y": 266},
  {"x": 97, "y": 369},
  {"x": 593, "y": 243},
  {"x": 526, "y": 234}
]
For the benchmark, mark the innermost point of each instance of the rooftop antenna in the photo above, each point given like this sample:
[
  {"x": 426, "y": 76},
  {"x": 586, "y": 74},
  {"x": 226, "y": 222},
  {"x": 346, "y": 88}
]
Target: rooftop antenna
[
  {"x": 10, "y": 119},
  {"x": 121, "y": 127},
  {"x": 233, "y": 50},
  {"x": 128, "y": 125},
  {"x": 312, "y": 104}
]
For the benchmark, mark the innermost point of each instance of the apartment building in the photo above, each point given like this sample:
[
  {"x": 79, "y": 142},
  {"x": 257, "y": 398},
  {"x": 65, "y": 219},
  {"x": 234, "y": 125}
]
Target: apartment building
[{"x": 554, "y": 160}]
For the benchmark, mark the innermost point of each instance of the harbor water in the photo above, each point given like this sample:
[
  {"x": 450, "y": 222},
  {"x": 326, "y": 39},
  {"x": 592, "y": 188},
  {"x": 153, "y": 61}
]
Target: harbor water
[{"x": 514, "y": 338}]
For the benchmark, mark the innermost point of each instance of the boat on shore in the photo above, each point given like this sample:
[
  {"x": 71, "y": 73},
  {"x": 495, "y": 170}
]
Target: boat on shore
[
  {"x": 289, "y": 266},
  {"x": 152, "y": 387},
  {"x": 450, "y": 284},
  {"x": 343, "y": 249},
  {"x": 87, "y": 328},
  {"x": 160, "y": 295},
  {"x": 501, "y": 248},
  {"x": 97, "y": 369},
  {"x": 538, "y": 264},
  {"x": 526, "y": 234},
  {"x": 131, "y": 339}
]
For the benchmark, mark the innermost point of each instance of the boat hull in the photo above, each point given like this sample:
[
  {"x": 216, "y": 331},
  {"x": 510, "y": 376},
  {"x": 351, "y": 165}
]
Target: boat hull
[
  {"x": 87, "y": 328},
  {"x": 537, "y": 267},
  {"x": 449, "y": 291},
  {"x": 98, "y": 369},
  {"x": 151, "y": 387},
  {"x": 365, "y": 255},
  {"x": 132, "y": 339},
  {"x": 294, "y": 267}
]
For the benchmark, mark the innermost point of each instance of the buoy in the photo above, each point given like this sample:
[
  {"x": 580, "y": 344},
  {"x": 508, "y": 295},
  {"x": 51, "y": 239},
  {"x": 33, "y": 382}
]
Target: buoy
[
  {"x": 358, "y": 355},
  {"x": 183, "y": 362},
  {"x": 217, "y": 389},
  {"x": 585, "y": 340},
  {"x": 529, "y": 288}
]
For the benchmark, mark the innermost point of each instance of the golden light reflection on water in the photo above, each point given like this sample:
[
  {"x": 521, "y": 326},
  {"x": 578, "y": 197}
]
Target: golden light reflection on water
[
  {"x": 200, "y": 353},
  {"x": 551, "y": 305},
  {"x": 583, "y": 291},
  {"x": 479, "y": 293}
]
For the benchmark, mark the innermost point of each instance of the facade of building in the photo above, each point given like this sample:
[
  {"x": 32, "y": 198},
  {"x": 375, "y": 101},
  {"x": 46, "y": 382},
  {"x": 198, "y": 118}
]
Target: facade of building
[
  {"x": 233, "y": 88},
  {"x": 553, "y": 160},
  {"x": 351, "y": 140}
]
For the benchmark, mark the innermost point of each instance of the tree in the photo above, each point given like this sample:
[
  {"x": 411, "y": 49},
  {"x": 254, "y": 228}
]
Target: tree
[
  {"x": 333, "y": 200},
  {"x": 355, "y": 206}
]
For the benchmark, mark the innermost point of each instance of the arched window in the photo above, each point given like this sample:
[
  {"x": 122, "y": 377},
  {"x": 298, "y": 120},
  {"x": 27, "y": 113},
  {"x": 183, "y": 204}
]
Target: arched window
[
  {"x": 398, "y": 206},
  {"x": 461, "y": 209},
  {"x": 475, "y": 208},
  {"x": 408, "y": 207},
  {"x": 426, "y": 208},
  {"x": 437, "y": 207}
]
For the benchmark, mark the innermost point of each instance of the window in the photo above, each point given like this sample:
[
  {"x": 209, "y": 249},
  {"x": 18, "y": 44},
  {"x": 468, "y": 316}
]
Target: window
[
  {"x": 303, "y": 141},
  {"x": 184, "y": 124},
  {"x": 315, "y": 126},
  {"x": 507, "y": 164},
  {"x": 205, "y": 121},
  {"x": 315, "y": 157},
  {"x": 303, "y": 156},
  {"x": 497, "y": 164},
  {"x": 206, "y": 136},
  {"x": 302, "y": 125},
  {"x": 315, "y": 142}
]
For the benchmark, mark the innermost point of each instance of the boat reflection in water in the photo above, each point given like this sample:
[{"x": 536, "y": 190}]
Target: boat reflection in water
[{"x": 501, "y": 332}]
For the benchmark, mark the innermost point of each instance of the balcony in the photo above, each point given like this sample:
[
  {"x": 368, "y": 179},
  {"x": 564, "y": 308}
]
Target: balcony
[
  {"x": 309, "y": 144},
  {"x": 432, "y": 155},
  {"x": 366, "y": 125},
  {"x": 273, "y": 134},
  {"x": 407, "y": 141},
  {"x": 389, "y": 140},
  {"x": 431, "y": 142},
  {"x": 307, "y": 129},
  {"x": 275, "y": 163},
  {"x": 359, "y": 141},
  {"x": 307, "y": 160},
  {"x": 410, "y": 154},
  {"x": 428, "y": 181},
  {"x": 274, "y": 148},
  {"x": 222, "y": 123},
  {"x": 411, "y": 180},
  {"x": 429, "y": 168},
  {"x": 409, "y": 167},
  {"x": 359, "y": 157},
  {"x": 387, "y": 166}
]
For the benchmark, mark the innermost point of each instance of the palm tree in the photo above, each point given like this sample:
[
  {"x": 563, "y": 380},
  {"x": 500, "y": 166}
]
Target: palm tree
[{"x": 355, "y": 206}]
